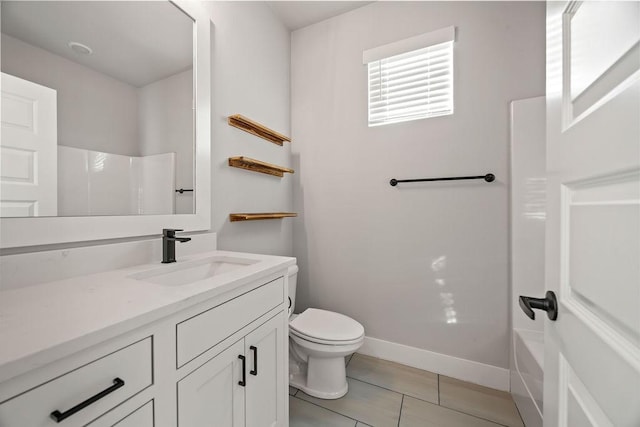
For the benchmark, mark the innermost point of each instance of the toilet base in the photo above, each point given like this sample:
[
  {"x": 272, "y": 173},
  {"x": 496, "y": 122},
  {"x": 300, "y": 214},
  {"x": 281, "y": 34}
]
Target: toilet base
[
  {"x": 319, "y": 369},
  {"x": 324, "y": 378},
  {"x": 299, "y": 381}
]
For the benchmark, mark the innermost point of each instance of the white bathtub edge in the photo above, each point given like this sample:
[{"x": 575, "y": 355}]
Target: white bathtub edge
[{"x": 528, "y": 345}]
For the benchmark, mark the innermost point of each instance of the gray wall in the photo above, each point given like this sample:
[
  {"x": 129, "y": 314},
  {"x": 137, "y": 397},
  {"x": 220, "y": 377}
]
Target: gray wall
[
  {"x": 113, "y": 116},
  {"x": 104, "y": 118},
  {"x": 424, "y": 265},
  {"x": 250, "y": 76},
  {"x": 165, "y": 109},
  {"x": 251, "y": 60}
]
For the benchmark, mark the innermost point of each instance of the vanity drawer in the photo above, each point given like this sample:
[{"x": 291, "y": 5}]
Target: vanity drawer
[
  {"x": 100, "y": 385},
  {"x": 203, "y": 331},
  {"x": 141, "y": 417}
]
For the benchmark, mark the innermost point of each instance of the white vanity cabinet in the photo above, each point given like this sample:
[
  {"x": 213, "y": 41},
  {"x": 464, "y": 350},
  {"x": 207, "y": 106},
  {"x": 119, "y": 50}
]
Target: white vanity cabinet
[
  {"x": 212, "y": 392},
  {"x": 79, "y": 396},
  {"x": 265, "y": 350},
  {"x": 219, "y": 361},
  {"x": 242, "y": 386},
  {"x": 140, "y": 417}
]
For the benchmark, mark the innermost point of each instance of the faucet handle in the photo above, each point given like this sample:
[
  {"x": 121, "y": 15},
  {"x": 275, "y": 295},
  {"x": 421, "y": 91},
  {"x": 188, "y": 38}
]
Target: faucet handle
[{"x": 170, "y": 232}]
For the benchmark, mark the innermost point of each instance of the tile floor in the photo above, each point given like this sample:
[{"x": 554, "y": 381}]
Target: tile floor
[{"x": 385, "y": 394}]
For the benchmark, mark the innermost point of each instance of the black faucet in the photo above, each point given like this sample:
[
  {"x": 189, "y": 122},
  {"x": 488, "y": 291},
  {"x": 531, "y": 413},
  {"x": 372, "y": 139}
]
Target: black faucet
[{"x": 169, "y": 240}]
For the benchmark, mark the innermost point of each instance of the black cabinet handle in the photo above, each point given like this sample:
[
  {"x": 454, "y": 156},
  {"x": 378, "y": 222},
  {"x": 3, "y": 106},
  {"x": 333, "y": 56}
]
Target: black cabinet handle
[
  {"x": 548, "y": 304},
  {"x": 59, "y": 416},
  {"x": 243, "y": 382},
  {"x": 255, "y": 360}
]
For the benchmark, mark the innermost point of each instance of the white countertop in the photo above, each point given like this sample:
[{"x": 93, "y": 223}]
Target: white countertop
[{"x": 43, "y": 323}]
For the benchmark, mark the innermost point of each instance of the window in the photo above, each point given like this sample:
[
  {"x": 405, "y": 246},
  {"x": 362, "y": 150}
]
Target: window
[{"x": 411, "y": 79}]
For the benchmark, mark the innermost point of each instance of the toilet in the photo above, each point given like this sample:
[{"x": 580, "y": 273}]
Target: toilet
[{"x": 319, "y": 340}]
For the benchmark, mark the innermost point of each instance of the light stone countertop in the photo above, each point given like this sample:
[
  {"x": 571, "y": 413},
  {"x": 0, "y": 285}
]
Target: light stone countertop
[{"x": 46, "y": 322}]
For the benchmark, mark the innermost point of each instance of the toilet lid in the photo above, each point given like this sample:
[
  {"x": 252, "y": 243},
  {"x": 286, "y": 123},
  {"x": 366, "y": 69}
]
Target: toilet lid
[{"x": 326, "y": 325}]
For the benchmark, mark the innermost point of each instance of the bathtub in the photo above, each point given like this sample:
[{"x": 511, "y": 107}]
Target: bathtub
[
  {"x": 527, "y": 378},
  {"x": 527, "y": 245}
]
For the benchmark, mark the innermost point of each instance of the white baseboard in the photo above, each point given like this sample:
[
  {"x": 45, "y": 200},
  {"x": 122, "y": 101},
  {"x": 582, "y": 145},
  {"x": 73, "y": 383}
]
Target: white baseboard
[{"x": 462, "y": 369}]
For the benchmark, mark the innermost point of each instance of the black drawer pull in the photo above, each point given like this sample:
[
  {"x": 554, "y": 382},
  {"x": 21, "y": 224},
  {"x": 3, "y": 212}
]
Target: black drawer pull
[
  {"x": 243, "y": 382},
  {"x": 255, "y": 360},
  {"x": 59, "y": 416}
]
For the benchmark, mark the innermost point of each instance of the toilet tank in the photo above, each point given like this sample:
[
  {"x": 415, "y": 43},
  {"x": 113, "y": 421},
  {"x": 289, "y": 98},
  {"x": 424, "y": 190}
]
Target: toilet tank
[{"x": 293, "y": 280}]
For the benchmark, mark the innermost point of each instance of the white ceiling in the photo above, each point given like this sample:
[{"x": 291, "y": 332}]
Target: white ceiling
[
  {"x": 298, "y": 14},
  {"x": 137, "y": 42}
]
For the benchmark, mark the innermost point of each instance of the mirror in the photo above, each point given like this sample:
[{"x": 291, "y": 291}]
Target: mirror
[
  {"x": 23, "y": 231},
  {"x": 97, "y": 109}
]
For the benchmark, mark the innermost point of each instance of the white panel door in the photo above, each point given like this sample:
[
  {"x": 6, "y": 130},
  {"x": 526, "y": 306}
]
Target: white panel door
[
  {"x": 28, "y": 149},
  {"x": 265, "y": 394},
  {"x": 592, "y": 351},
  {"x": 211, "y": 396}
]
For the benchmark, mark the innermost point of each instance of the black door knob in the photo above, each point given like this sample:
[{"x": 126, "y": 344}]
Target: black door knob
[{"x": 548, "y": 304}]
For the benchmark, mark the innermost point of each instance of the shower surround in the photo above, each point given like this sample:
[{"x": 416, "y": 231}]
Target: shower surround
[{"x": 98, "y": 183}]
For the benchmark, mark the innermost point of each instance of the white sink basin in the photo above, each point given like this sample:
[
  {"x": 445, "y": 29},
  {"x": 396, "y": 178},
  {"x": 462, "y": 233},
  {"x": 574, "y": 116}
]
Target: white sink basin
[{"x": 189, "y": 272}]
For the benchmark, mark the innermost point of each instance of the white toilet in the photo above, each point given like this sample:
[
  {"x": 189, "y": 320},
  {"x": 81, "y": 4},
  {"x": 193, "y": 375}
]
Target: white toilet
[{"x": 319, "y": 340}]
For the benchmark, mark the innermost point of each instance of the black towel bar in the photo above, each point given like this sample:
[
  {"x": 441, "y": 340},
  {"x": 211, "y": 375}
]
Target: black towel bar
[{"x": 488, "y": 177}]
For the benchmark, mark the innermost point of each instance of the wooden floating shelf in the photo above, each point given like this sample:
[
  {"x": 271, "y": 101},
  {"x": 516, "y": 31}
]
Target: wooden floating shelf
[
  {"x": 257, "y": 129},
  {"x": 255, "y": 216},
  {"x": 258, "y": 166}
]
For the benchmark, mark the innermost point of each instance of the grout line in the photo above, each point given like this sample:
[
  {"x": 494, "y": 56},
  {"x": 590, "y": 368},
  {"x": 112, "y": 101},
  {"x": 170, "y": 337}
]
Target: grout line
[
  {"x": 397, "y": 364},
  {"x": 518, "y": 410},
  {"x": 401, "y": 405},
  {"x": 400, "y": 414},
  {"x": 427, "y": 401},
  {"x": 349, "y": 361},
  {"x": 330, "y": 410},
  {"x": 379, "y": 386},
  {"x": 397, "y": 391},
  {"x": 461, "y": 412}
]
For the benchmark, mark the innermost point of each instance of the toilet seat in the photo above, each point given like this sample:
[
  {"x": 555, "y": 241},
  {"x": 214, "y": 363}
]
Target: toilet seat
[
  {"x": 295, "y": 334},
  {"x": 326, "y": 327}
]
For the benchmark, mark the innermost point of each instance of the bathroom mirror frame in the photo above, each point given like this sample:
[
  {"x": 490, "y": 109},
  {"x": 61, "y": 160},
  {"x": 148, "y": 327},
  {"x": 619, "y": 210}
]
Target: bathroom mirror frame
[{"x": 35, "y": 231}]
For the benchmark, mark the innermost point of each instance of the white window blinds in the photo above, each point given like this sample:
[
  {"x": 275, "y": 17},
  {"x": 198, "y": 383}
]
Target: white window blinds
[{"x": 411, "y": 85}]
